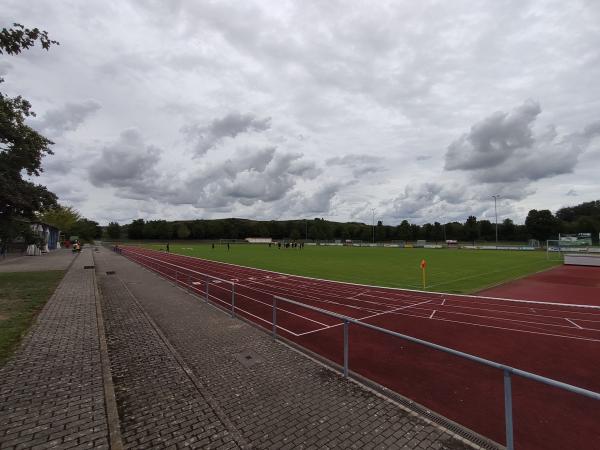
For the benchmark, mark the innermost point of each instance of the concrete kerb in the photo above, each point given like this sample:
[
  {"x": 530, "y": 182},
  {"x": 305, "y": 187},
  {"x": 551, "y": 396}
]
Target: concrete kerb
[{"x": 110, "y": 402}]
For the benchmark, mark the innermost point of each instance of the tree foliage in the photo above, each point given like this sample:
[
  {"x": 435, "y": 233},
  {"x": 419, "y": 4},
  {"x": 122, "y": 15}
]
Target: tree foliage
[
  {"x": 62, "y": 217},
  {"x": 14, "y": 40},
  {"x": 21, "y": 147},
  {"x": 542, "y": 225},
  {"x": 113, "y": 230}
]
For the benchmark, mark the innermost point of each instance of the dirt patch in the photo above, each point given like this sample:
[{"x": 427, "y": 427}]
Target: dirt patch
[{"x": 3, "y": 317}]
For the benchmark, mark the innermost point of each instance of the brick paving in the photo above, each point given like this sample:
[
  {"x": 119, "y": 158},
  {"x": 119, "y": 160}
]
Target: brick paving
[
  {"x": 159, "y": 401},
  {"x": 281, "y": 400},
  {"x": 52, "y": 390}
]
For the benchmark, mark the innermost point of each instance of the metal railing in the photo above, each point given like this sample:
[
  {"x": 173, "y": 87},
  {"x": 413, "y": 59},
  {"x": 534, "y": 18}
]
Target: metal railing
[{"x": 507, "y": 371}]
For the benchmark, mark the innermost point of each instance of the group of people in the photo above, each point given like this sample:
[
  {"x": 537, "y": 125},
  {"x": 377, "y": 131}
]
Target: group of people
[{"x": 299, "y": 245}]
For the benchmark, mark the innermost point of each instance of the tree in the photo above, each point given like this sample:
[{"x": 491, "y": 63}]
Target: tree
[
  {"x": 487, "y": 231},
  {"x": 404, "y": 231},
  {"x": 183, "y": 232},
  {"x": 113, "y": 230},
  {"x": 14, "y": 40},
  {"x": 62, "y": 217},
  {"x": 135, "y": 230},
  {"x": 542, "y": 225},
  {"x": 21, "y": 147},
  {"x": 508, "y": 229},
  {"x": 87, "y": 230},
  {"x": 470, "y": 229}
]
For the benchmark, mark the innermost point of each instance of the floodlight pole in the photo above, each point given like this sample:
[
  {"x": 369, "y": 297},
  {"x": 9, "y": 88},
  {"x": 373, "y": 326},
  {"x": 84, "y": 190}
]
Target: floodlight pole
[
  {"x": 373, "y": 226},
  {"x": 306, "y": 229},
  {"x": 496, "y": 213}
]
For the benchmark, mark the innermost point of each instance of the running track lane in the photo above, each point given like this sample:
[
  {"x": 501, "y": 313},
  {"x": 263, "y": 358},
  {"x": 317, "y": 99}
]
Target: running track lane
[{"x": 557, "y": 341}]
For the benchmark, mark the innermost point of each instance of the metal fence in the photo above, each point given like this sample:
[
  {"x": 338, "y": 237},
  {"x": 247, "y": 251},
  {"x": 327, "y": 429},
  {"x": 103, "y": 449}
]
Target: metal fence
[{"x": 199, "y": 283}]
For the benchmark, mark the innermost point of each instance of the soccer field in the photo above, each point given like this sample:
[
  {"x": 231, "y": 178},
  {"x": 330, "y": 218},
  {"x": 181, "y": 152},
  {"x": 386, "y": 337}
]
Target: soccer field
[{"x": 455, "y": 271}]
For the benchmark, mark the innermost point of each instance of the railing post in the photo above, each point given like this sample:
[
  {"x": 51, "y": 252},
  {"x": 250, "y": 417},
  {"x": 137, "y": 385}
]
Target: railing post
[
  {"x": 508, "y": 415},
  {"x": 232, "y": 299},
  {"x": 346, "y": 326},
  {"x": 206, "y": 289},
  {"x": 274, "y": 317}
]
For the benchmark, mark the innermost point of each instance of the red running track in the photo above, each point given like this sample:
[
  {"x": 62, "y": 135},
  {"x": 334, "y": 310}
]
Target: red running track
[{"x": 556, "y": 340}]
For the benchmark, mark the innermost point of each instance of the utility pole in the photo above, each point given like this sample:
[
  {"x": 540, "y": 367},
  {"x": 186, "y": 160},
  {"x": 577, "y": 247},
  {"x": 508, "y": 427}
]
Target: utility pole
[
  {"x": 373, "y": 211},
  {"x": 496, "y": 196}
]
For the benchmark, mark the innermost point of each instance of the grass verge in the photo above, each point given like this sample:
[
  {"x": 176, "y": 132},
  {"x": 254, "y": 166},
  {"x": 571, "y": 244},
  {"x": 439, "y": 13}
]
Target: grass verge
[{"x": 22, "y": 296}]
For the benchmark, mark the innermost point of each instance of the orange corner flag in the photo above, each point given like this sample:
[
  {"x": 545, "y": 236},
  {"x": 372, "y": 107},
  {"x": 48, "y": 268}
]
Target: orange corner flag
[{"x": 423, "y": 264}]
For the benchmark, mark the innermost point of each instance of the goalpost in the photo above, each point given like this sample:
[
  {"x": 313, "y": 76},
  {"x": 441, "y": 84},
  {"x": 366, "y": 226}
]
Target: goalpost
[
  {"x": 580, "y": 243},
  {"x": 554, "y": 250}
]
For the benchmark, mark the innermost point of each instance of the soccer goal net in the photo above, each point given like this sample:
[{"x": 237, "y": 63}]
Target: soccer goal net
[{"x": 556, "y": 249}]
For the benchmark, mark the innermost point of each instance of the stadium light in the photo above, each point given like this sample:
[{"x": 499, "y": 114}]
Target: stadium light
[
  {"x": 373, "y": 226},
  {"x": 496, "y": 197}
]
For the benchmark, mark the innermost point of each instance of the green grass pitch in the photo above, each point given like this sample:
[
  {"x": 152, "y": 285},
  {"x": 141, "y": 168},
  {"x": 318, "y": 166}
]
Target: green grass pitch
[{"x": 448, "y": 270}]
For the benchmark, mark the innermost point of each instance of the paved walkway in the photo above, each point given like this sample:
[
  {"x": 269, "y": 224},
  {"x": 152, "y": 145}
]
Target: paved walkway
[
  {"x": 52, "y": 390},
  {"x": 55, "y": 260},
  {"x": 140, "y": 363}
]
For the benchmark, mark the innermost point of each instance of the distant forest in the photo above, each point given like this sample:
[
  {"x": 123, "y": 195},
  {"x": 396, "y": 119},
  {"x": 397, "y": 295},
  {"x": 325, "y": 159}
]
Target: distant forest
[{"x": 540, "y": 224}]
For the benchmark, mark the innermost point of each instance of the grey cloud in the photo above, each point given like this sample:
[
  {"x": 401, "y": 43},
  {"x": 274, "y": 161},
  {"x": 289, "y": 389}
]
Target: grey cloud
[
  {"x": 360, "y": 164},
  {"x": 249, "y": 178},
  {"x": 231, "y": 125},
  {"x": 431, "y": 201},
  {"x": 320, "y": 201},
  {"x": 504, "y": 148},
  {"x": 571, "y": 193},
  {"x": 127, "y": 163},
  {"x": 67, "y": 118},
  {"x": 5, "y": 66},
  {"x": 493, "y": 140}
]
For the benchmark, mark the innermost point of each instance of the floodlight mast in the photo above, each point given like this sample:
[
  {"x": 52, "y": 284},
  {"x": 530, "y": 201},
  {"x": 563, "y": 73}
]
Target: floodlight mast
[
  {"x": 373, "y": 224},
  {"x": 496, "y": 197}
]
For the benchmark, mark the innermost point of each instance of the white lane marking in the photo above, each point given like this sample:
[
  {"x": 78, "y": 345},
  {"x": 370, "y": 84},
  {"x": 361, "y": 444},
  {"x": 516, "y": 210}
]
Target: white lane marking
[
  {"x": 432, "y": 313},
  {"x": 570, "y": 321},
  {"x": 364, "y": 318}
]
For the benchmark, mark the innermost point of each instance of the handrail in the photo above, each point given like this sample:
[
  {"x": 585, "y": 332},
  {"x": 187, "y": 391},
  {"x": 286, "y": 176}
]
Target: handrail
[{"x": 487, "y": 362}]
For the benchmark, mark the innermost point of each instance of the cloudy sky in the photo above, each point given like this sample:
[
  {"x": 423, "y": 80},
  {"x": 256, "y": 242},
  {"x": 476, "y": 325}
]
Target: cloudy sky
[{"x": 293, "y": 109}]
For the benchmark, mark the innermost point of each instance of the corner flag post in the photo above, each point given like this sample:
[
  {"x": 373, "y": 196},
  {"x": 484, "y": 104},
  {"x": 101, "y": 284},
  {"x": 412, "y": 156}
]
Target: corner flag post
[{"x": 423, "y": 270}]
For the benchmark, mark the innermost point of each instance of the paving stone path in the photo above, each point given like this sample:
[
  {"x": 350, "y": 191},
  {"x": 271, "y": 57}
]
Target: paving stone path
[
  {"x": 160, "y": 402},
  {"x": 51, "y": 391},
  {"x": 276, "y": 398}
]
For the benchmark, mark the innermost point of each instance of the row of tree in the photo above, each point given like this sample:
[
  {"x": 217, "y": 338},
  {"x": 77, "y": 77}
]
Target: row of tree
[{"x": 541, "y": 225}]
